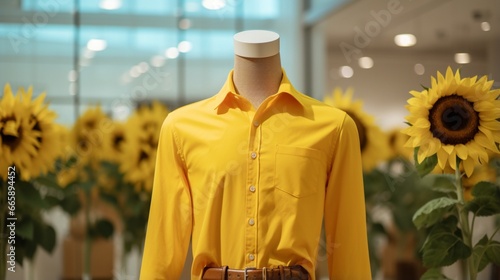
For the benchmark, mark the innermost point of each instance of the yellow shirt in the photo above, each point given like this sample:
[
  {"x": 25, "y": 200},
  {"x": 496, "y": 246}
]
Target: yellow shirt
[{"x": 251, "y": 188}]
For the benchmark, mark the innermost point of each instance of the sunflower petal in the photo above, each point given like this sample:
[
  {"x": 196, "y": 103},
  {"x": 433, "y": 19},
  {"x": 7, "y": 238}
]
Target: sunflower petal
[
  {"x": 440, "y": 78},
  {"x": 491, "y": 125},
  {"x": 483, "y": 140},
  {"x": 448, "y": 149},
  {"x": 453, "y": 160},
  {"x": 468, "y": 166},
  {"x": 422, "y": 154},
  {"x": 462, "y": 151},
  {"x": 434, "y": 146},
  {"x": 422, "y": 123},
  {"x": 442, "y": 158}
]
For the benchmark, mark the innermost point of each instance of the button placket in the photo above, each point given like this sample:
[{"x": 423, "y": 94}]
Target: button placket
[{"x": 251, "y": 198}]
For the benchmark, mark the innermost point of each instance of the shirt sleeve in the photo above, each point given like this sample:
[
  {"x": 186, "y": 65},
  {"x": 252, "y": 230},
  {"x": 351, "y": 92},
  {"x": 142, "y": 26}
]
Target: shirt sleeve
[
  {"x": 170, "y": 216},
  {"x": 345, "y": 216}
]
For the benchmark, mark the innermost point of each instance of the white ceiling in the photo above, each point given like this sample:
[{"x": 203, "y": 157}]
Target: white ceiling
[{"x": 439, "y": 25}]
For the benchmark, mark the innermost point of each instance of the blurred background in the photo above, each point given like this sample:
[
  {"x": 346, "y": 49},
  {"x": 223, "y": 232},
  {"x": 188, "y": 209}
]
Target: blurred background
[{"x": 120, "y": 54}]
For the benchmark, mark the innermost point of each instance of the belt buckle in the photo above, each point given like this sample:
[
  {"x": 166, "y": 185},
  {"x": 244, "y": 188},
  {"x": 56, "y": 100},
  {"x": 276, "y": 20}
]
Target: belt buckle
[{"x": 245, "y": 272}]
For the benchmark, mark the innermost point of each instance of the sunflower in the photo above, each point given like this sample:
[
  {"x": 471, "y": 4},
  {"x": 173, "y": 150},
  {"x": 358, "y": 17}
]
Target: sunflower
[
  {"x": 88, "y": 134},
  {"x": 113, "y": 143},
  {"x": 142, "y": 134},
  {"x": 397, "y": 140},
  {"x": 42, "y": 121},
  {"x": 373, "y": 142},
  {"x": 455, "y": 118},
  {"x": 26, "y": 134}
]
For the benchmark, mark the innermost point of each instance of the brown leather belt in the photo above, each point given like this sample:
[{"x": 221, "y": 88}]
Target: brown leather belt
[{"x": 278, "y": 273}]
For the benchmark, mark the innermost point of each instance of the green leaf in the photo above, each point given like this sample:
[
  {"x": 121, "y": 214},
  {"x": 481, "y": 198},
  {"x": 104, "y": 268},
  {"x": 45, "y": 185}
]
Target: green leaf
[
  {"x": 427, "y": 165},
  {"x": 104, "y": 228},
  {"x": 30, "y": 197},
  {"x": 493, "y": 252},
  {"x": 26, "y": 228},
  {"x": 424, "y": 87},
  {"x": 29, "y": 249},
  {"x": 433, "y": 211},
  {"x": 45, "y": 236},
  {"x": 52, "y": 201},
  {"x": 486, "y": 200},
  {"x": 48, "y": 180},
  {"x": 478, "y": 253},
  {"x": 71, "y": 204},
  {"x": 434, "y": 274},
  {"x": 444, "y": 183},
  {"x": 87, "y": 185},
  {"x": 486, "y": 189},
  {"x": 443, "y": 247}
]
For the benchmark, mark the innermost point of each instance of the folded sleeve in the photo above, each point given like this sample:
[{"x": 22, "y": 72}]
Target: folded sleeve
[
  {"x": 345, "y": 216},
  {"x": 170, "y": 217}
]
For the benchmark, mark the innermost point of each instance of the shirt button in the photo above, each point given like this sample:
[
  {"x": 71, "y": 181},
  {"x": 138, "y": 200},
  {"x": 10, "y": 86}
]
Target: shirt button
[
  {"x": 251, "y": 257},
  {"x": 252, "y": 188},
  {"x": 251, "y": 222},
  {"x": 255, "y": 123},
  {"x": 253, "y": 155}
]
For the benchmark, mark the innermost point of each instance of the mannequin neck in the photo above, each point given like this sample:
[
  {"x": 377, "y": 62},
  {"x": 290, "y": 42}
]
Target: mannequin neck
[{"x": 257, "y": 78}]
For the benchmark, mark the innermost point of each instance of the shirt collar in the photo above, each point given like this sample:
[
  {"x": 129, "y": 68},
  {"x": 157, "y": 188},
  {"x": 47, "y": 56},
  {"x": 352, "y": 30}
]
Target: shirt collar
[{"x": 229, "y": 89}]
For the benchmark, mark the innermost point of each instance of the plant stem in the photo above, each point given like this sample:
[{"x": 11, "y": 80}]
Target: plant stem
[
  {"x": 464, "y": 222},
  {"x": 494, "y": 233},
  {"x": 88, "y": 242},
  {"x": 3, "y": 239}
]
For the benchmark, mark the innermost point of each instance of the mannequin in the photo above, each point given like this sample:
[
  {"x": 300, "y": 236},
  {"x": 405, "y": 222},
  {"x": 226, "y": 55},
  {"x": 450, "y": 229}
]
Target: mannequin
[
  {"x": 257, "y": 65},
  {"x": 251, "y": 186}
]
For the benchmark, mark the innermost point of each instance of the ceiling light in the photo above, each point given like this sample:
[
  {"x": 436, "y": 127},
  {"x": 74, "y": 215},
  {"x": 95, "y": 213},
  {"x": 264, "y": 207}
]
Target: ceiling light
[
  {"x": 214, "y": 4},
  {"x": 96, "y": 45},
  {"x": 365, "y": 62},
  {"x": 134, "y": 72},
  {"x": 419, "y": 69},
  {"x": 172, "y": 53},
  {"x": 346, "y": 71},
  {"x": 184, "y": 24},
  {"x": 120, "y": 112},
  {"x": 157, "y": 61},
  {"x": 485, "y": 26},
  {"x": 462, "y": 58},
  {"x": 110, "y": 4},
  {"x": 184, "y": 46},
  {"x": 72, "y": 76},
  {"x": 88, "y": 53},
  {"x": 143, "y": 67},
  {"x": 405, "y": 40}
]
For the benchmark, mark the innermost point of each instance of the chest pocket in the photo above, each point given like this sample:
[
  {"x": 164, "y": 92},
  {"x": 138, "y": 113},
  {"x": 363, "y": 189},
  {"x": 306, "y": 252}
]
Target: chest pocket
[{"x": 300, "y": 172}]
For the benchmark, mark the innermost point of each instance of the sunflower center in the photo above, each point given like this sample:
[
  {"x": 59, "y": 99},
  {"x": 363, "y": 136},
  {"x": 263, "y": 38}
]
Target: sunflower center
[
  {"x": 143, "y": 156},
  {"x": 361, "y": 130},
  {"x": 37, "y": 127},
  {"x": 453, "y": 120},
  {"x": 117, "y": 140},
  {"x": 11, "y": 133}
]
